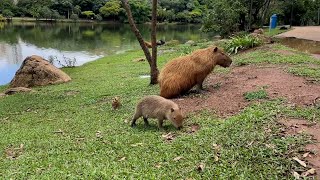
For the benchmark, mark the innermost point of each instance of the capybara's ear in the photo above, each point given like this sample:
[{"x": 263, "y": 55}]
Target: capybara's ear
[
  {"x": 215, "y": 49},
  {"x": 172, "y": 109}
]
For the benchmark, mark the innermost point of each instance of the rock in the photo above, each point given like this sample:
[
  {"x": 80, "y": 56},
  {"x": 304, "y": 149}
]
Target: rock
[
  {"x": 15, "y": 90},
  {"x": 190, "y": 42},
  {"x": 258, "y": 31},
  {"x": 2, "y": 95},
  {"x": 36, "y": 71}
]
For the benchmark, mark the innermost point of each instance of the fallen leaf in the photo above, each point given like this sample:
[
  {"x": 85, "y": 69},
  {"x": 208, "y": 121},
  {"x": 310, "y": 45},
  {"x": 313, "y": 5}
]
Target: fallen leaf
[
  {"x": 137, "y": 144},
  {"x": 158, "y": 165},
  {"x": 302, "y": 163},
  {"x": 13, "y": 153},
  {"x": 178, "y": 158},
  {"x": 99, "y": 134},
  {"x": 122, "y": 159},
  {"x": 126, "y": 121},
  {"x": 296, "y": 175},
  {"x": 306, "y": 154},
  {"x": 216, "y": 158},
  {"x": 309, "y": 172},
  {"x": 200, "y": 167},
  {"x": 59, "y": 131},
  {"x": 169, "y": 136}
]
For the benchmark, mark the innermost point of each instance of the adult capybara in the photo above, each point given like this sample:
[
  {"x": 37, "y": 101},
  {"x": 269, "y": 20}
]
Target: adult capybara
[
  {"x": 179, "y": 75},
  {"x": 159, "y": 108}
]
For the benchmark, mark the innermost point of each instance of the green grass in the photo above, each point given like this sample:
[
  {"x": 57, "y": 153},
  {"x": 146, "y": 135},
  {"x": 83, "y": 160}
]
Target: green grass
[
  {"x": 250, "y": 146},
  {"x": 273, "y": 32},
  {"x": 312, "y": 72},
  {"x": 255, "y": 95}
]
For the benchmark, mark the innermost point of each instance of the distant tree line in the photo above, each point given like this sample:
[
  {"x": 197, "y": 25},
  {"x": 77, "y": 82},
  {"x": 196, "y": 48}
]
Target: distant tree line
[{"x": 223, "y": 16}]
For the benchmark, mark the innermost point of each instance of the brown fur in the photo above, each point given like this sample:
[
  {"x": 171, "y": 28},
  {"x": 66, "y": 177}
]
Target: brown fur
[
  {"x": 149, "y": 45},
  {"x": 159, "y": 108},
  {"x": 116, "y": 103},
  {"x": 179, "y": 75}
]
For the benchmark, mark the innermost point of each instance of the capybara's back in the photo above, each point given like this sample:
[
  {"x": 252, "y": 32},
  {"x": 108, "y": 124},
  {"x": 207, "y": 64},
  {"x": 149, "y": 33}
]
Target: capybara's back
[
  {"x": 179, "y": 75},
  {"x": 157, "y": 107}
]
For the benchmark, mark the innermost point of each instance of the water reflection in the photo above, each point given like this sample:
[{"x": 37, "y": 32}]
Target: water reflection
[
  {"x": 84, "y": 42},
  {"x": 308, "y": 46}
]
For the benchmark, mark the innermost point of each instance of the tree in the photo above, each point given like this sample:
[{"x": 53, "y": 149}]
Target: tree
[
  {"x": 152, "y": 60},
  {"x": 88, "y": 14},
  {"x": 77, "y": 10},
  {"x": 7, "y": 14},
  {"x": 112, "y": 9}
]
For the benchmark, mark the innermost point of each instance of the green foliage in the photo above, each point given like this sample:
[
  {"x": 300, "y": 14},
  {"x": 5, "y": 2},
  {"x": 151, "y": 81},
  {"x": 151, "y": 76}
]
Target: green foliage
[
  {"x": 112, "y": 8},
  {"x": 312, "y": 72},
  {"x": 255, "y": 95},
  {"x": 98, "y": 17},
  {"x": 88, "y": 14},
  {"x": 238, "y": 43},
  {"x": 222, "y": 17},
  {"x": 2, "y": 18},
  {"x": 7, "y": 13},
  {"x": 74, "y": 17}
]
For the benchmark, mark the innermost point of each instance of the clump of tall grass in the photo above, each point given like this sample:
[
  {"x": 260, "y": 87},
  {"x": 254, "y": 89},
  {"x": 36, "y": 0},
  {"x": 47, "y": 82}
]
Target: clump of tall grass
[{"x": 241, "y": 42}]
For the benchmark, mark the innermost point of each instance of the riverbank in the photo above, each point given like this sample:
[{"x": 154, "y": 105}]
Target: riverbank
[{"x": 70, "y": 130}]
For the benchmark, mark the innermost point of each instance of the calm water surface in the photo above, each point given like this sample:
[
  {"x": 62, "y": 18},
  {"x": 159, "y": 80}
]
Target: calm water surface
[{"x": 84, "y": 42}]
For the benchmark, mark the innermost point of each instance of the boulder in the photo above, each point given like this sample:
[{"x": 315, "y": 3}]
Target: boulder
[
  {"x": 15, "y": 90},
  {"x": 36, "y": 71}
]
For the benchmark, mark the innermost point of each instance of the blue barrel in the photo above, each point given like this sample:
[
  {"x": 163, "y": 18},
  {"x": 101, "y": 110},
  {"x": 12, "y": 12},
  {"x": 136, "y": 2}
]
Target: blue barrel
[{"x": 273, "y": 21}]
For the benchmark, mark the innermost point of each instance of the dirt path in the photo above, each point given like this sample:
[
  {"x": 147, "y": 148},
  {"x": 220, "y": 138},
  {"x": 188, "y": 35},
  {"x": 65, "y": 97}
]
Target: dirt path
[
  {"x": 307, "y": 32},
  {"x": 225, "y": 92},
  {"x": 224, "y": 95}
]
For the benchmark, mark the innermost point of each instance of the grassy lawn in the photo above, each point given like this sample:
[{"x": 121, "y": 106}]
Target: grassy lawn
[{"x": 70, "y": 130}]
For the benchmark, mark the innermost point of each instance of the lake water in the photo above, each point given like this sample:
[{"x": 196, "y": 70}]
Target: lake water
[{"x": 83, "y": 42}]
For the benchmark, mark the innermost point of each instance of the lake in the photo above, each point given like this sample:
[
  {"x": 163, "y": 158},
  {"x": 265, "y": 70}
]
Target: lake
[{"x": 82, "y": 42}]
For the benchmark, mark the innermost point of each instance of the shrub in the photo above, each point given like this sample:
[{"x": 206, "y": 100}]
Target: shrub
[
  {"x": 2, "y": 18},
  {"x": 241, "y": 42},
  {"x": 74, "y": 17}
]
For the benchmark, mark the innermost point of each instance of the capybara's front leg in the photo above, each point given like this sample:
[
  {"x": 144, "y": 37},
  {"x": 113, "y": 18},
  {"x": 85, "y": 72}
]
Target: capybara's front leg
[
  {"x": 145, "y": 119},
  {"x": 199, "y": 84},
  {"x": 160, "y": 123}
]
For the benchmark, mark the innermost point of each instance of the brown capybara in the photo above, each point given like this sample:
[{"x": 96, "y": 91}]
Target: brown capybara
[
  {"x": 159, "y": 43},
  {"x": 179, "y": 75},
  {"x": 159, "y": 108}
]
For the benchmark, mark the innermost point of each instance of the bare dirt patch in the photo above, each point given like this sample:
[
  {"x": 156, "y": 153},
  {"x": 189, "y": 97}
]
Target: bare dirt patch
[
  {"x": 296, "y": 126},
  {"x": 224, "y": 92}
]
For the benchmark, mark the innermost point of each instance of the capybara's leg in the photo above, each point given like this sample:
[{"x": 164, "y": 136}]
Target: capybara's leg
[
  {"x": 145, "y": 119},
  {"x": 160, "y": 123},
  {"x": 199, "y": 84},
  {"x": 134, "y": 119}
]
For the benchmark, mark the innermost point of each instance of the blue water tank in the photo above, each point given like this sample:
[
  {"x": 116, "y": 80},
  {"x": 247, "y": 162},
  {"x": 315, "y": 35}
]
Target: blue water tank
[{"x": 273, "y": 21}]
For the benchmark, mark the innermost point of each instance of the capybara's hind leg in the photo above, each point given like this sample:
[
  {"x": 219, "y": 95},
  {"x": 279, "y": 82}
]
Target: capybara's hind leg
[
  {"x": 145, "y": 119},
  {"x": 134, "y": 119}
]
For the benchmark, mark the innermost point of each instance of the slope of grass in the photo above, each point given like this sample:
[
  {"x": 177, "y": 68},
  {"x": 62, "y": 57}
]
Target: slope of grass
[{"x": 70, "y": 131}]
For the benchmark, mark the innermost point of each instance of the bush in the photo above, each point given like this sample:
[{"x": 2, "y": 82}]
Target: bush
[
  {"x": 98, "y": 17},
  {"x": 2, "y": 18},
  {"x": 74, "y": 17},
  {"x": 241, "y": 42}
]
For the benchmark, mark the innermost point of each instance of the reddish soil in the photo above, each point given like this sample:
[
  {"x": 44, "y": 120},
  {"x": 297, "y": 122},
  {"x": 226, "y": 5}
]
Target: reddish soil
[
  {"x": 224, "y": 92},
  {"x": 224, "y": 95},
  {"x": 296, "y": 126}
]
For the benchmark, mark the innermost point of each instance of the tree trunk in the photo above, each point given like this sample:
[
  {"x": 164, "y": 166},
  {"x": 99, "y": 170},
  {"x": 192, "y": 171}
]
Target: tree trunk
[
  {"x": 154, "y": 70},
  {"x": 153, "y": 65}
]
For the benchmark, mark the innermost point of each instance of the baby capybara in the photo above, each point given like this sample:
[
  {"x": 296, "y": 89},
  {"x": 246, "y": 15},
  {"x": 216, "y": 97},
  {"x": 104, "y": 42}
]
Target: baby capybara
[
  {"x": 159, "y": 108},
  {"x": 179, "y": 75}
]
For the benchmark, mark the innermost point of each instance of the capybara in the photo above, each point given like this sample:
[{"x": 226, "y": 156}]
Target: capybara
[
  {"x": 159, "y": 43},
  {"x": 116, "y": 103},
  {"x": 179, "y": 75},
  {"x": 157, "y": 107}
]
